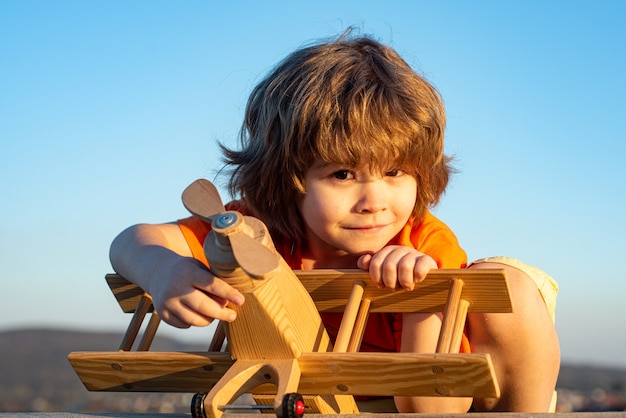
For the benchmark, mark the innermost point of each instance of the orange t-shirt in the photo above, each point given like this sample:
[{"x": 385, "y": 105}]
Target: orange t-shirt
[{"x": 383, "y": 330}]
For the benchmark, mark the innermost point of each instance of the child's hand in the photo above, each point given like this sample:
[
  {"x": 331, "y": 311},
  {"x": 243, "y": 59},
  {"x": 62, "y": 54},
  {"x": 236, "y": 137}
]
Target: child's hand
[
  {"x": 397, "y": 267},
  {"x": 184, "y": 293},
  {"x": 189, "y": 295}
]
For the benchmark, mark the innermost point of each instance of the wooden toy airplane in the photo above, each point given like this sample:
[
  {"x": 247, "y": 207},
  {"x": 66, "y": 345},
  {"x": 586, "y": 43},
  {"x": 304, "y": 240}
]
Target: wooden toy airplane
[{"x": 278, "y": 347}]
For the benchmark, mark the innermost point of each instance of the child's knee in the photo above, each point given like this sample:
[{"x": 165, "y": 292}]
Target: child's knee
[
  {"x": 532, "y": 290},
  {"x": 523, "y": 345},
  {"x": 530, "y": 313}
]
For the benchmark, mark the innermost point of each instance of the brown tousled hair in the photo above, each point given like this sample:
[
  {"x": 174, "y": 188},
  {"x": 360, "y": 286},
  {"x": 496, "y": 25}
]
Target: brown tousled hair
[{"x": 350, "y": 101}]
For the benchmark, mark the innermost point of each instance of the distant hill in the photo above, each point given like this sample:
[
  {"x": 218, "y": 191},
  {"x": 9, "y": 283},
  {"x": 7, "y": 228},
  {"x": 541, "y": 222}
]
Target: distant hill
[
  {"x": 36, "y": 375},
  {"x": 586, "y": 378}
]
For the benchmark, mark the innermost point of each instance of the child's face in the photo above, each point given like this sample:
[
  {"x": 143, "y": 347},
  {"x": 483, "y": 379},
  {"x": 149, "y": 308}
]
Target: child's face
[{"x": 354, "y": 211}]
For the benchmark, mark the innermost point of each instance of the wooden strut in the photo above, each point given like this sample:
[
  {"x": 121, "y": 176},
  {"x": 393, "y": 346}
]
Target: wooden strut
[
  {"x": 217, "y": 342},
  {"x": 359, "y": 326},
  {"x": 346, "y": 339},
  {"x": 454, "y": 317},
  {"x": 144, "y": 306},
  {"x": 356, "y": 312},
  {"x": 150, "y": 332}
]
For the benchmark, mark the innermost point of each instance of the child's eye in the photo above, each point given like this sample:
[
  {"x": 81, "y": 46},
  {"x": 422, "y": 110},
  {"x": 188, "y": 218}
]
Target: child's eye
[
  {"x": 342, "y": 174},
  {"x": 394, "y": 173}
]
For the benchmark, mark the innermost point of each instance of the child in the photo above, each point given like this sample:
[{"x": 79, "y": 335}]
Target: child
[{"x": 341, "y": 157}]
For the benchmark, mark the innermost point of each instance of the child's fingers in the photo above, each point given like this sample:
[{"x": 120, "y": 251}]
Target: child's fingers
[
  {"x": 396, "y": 267},
  {"x": 406, "y": 272},
  {"x": 202, "y": 309},
  {"x": 383, "y": 267},
  {"x": 210, "y": 301},
  {"x": 195, "y": 309},
  {"x": 423, "y": 266},
  {"x": 195, "y": 298},
  {"x": 174, "y": 320},
  {"x": 206, "y": 282},
  {"x": 221, "y": 291},
  {"x": 413, "y": 270},
  {"x": 364, "y": 262}
]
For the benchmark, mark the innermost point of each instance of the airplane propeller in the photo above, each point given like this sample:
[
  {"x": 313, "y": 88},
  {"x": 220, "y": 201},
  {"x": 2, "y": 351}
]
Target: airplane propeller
[{"x": 203, "y": 201}]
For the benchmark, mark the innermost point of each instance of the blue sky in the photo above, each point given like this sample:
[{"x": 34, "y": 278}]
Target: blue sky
[{"x": 108, "y": 109}]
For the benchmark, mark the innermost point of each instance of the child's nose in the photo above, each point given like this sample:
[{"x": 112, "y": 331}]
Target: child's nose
[{"x": 372, "y": 197}]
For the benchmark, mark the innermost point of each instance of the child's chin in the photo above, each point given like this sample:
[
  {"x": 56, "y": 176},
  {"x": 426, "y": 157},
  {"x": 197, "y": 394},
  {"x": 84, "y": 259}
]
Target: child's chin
[{"x": 358, "y": 251}]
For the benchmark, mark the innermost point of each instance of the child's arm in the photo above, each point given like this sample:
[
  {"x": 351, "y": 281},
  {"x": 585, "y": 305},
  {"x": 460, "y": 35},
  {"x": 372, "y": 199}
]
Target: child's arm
[
  {"x": 184, "y": 292},
  {"x": 420, "y": 332},
  {"x": 395, "y": 267}
]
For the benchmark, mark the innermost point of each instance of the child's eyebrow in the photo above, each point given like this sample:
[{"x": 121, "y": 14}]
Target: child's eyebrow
[{"x": 321, "y": 164}]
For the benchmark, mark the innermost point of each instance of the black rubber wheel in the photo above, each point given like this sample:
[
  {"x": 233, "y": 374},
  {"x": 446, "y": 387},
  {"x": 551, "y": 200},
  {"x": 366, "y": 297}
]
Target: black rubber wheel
[
  {"x": 292, "y": 406},
  {"x": 197, "y": 405}
]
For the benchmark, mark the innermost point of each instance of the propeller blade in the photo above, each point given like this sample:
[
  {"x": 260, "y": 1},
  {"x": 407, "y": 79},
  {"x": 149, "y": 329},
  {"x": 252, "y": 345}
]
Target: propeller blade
[
  {"x": 202, "y": 199},
  {"x": 254, "y": 258}
]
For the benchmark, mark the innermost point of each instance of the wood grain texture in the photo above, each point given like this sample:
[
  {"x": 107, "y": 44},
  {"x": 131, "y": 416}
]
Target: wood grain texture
[
  {"x": 278, "y": 320},
  {"x": 486, "y": 290},
  {"x": 383, "y": 374}
]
